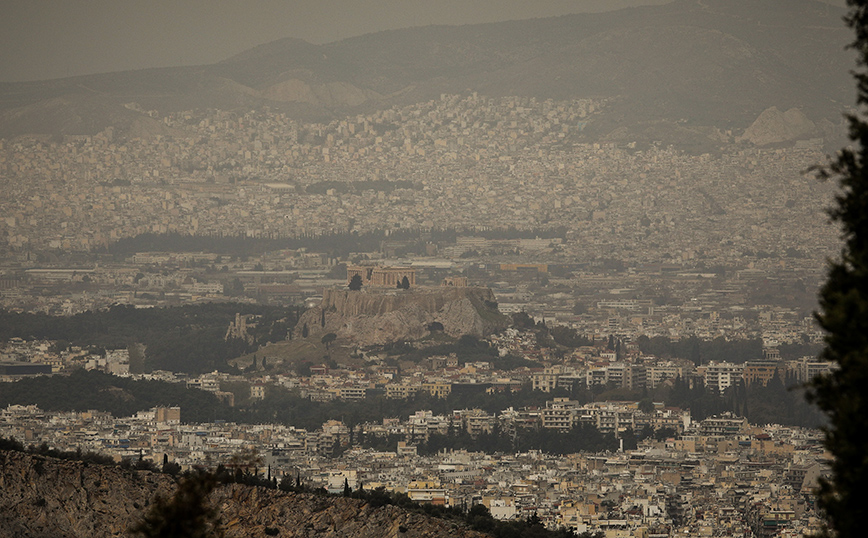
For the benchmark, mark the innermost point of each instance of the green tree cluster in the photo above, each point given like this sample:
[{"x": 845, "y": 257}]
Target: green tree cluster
[
  {"x": 701, "y": 351},
  {"x": 355, "y": 283},
  {"x": 83, "y": 390},
  {"x": 581, "y": 438},
  {"x": 182, "y": 339},
  {"x": 779, "y": 402}
]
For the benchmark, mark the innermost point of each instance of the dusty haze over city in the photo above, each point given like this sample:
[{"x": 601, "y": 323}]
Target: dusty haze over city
[
  {"x": 56, "y": 38},
  {"x": 556, "y": 258}
]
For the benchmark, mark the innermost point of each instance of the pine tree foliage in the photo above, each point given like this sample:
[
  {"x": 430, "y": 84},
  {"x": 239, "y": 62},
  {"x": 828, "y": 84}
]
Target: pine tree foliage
[
  {"x": 355, "y": 283},
  {"x": 843, "y": 395},
  {"x": 188, "y": 514}
]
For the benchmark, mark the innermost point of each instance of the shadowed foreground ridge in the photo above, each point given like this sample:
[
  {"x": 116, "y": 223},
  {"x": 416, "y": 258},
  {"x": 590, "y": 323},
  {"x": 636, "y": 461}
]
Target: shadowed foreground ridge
[{"x": 46, "y": 497}]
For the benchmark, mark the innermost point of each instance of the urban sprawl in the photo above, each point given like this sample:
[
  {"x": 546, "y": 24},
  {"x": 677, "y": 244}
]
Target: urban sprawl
[{"x": 653, "y": 242}]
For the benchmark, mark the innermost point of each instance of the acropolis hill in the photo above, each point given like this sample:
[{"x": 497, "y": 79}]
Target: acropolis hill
[{"x": 381, "y": 315}]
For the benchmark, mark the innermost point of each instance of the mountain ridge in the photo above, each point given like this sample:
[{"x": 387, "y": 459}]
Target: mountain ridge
[{"x": 707, "y": 63}]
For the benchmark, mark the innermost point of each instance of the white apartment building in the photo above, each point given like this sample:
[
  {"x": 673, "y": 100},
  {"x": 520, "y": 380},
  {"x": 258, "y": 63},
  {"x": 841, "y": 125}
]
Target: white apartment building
[{"x": 721, "y": 376}]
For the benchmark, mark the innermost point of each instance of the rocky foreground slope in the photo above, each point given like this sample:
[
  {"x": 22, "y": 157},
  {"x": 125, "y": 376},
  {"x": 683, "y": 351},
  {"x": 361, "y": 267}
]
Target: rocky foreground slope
[
  {"x": 382, "y": 316},
  {"x": 45, "y": 497}
]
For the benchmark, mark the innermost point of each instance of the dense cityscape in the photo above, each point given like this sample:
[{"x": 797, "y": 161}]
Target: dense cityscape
[
  {"x": 467, "y": 163},
  {"x": 568, "y": 312},
  {"x": 634, "y": 255}
]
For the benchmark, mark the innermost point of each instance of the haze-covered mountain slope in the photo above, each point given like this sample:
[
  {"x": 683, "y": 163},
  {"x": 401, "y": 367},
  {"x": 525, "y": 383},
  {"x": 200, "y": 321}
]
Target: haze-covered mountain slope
[{"x": 697, "y": 62}]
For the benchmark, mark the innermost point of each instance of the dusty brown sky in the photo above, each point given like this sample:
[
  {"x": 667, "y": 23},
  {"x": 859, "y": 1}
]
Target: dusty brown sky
[{"x": 41, "y": 39}]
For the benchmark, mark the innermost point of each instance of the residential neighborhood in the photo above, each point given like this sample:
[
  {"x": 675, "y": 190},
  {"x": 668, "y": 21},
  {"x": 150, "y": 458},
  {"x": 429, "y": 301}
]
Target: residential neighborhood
[{"x": 716, "y": 477}]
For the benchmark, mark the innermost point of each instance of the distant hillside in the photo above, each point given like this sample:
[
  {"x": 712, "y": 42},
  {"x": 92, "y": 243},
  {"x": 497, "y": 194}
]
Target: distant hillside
[
  {"x": 714, "y": 63},
  {"x": 47, "y": 497}
]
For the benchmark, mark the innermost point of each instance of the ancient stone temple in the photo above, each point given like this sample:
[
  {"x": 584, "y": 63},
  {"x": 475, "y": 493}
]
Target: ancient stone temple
[
  {"x": 382, "y": 277},
  {"x": 455, "y": 281}
]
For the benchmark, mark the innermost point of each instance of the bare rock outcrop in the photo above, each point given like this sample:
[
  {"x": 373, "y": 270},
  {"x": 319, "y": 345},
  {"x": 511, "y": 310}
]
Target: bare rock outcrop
[
  {"x": 774, "y": 127},
  {"x": 45, "y": 497},
  {"x": 370, "y": 317}
]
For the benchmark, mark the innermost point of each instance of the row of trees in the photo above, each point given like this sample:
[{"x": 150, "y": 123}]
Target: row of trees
[
  {"x": 83, "y": 390},
  {"x": 700, "y": 351},
  {"x": 382, "y": 185},
  {"x": 581, "y": 438},
  {"x": 780, "y": 401},
  {"x": 338, "y": 244}
]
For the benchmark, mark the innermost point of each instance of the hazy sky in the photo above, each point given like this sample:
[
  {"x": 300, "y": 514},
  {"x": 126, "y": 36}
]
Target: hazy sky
[{"x": 42, "y": 39}]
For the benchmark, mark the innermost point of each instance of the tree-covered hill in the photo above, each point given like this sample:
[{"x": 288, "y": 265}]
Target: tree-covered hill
[
  {"x": 83, "y": 391},
  {"x": 181, "y": 339}
]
